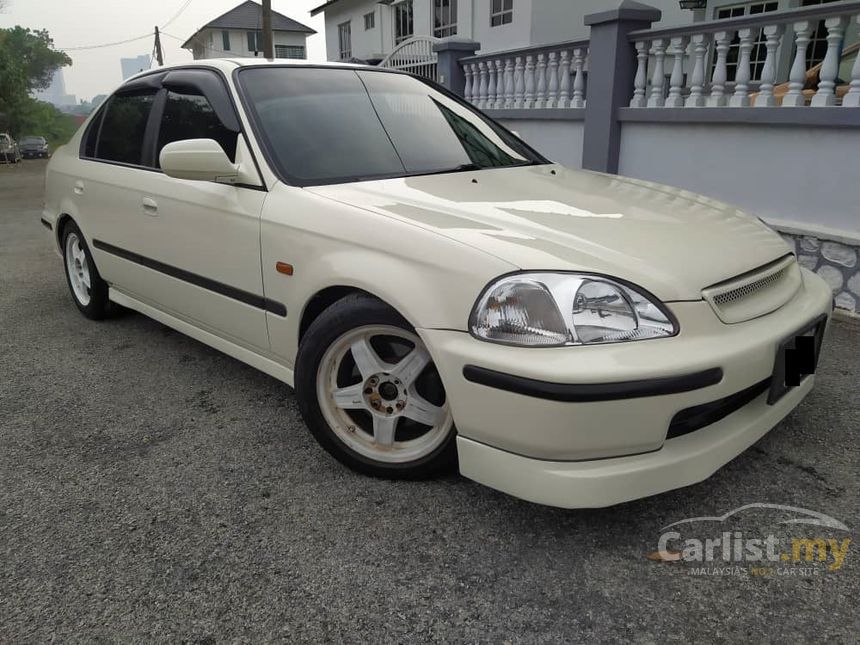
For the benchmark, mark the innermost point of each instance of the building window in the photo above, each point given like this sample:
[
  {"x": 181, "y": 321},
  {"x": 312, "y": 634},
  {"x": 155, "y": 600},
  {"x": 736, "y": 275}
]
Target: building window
[
  {"x": 344, "y": 39},
  {"x": 290, "y": 51},
  {"x": 444, "y": 18},
  {"x": 818, "y": 40},
  {"x": 225, "y": 40},
  {"x": 501, "y": 12},
  {"x": 369, "y": 21},
  {"x": 255, "y": 41},
  {"x": 403, "y": 25},
  {"x": 759, "y": 51}
]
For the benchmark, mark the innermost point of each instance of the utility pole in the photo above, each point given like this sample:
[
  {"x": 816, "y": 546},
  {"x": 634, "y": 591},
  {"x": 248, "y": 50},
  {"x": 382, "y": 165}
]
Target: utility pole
[
  {"x": 268, "y": 41},
  {"x": 159, "y": 55}
]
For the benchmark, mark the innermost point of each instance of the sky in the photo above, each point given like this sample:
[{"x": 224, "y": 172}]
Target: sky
[{"x": 79, "y": 23}]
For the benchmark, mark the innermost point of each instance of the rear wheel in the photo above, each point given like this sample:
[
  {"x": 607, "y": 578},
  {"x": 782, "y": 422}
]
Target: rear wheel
[
  {"x": 370, "y": 394},
  {"x": 89, "y": 291}
]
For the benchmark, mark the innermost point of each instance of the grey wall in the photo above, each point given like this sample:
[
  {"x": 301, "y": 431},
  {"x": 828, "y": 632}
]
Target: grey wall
[
  {"x": 787, "y": 174},
  {"x": 560, "y": 141}
]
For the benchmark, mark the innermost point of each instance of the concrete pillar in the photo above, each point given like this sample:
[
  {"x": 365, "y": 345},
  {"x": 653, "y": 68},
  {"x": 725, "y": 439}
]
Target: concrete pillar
[
  {"x": 612, "y": 69},
  {"x": 449, "y": 52}
]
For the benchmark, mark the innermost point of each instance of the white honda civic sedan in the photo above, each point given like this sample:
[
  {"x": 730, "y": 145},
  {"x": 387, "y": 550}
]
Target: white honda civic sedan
[{"x": 435, "y": 290}]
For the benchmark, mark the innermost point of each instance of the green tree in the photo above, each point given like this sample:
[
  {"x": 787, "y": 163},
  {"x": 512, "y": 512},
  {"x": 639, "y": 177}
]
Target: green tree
[
  {"x": 27, "y": 62},
  {"x": 38, "y": 118},
  {"x": 30, "y": 57}
]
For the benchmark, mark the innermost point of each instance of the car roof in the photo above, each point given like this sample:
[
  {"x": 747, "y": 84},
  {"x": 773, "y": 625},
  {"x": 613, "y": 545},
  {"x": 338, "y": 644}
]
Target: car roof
[{"x": 227, "y": 65}]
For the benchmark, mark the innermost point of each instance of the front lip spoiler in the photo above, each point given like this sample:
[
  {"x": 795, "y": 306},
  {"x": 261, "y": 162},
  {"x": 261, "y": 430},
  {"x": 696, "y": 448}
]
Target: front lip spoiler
[{"x": 589, "y": 392}]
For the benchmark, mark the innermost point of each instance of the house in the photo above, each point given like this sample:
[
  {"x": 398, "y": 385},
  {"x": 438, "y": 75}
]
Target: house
[
  {"x": 368, "y": 29},
  {"x": 238, "y": 34}
]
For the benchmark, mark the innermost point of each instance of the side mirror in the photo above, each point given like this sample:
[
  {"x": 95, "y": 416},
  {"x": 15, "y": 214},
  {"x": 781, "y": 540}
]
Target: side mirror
[{"x": 199, "y": 159}]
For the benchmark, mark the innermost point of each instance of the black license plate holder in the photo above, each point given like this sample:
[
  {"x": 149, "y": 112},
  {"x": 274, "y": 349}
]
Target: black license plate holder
[{"x": 796, "y": 358}]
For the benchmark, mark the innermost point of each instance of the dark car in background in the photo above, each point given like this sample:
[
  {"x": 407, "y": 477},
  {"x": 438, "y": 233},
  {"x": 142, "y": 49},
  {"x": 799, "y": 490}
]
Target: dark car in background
[{"x": 33, "y": 147}]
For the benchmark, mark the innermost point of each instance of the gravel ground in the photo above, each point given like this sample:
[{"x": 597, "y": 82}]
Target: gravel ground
[{"x": 152, "y": 489}]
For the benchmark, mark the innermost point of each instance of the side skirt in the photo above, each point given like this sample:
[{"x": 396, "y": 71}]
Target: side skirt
[{"x": 262, "y": 363}]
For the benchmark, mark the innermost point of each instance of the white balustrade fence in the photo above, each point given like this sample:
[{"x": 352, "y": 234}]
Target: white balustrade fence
[
  {"x": 537, "y": 78},
  {"x": 696, "y": 60}
]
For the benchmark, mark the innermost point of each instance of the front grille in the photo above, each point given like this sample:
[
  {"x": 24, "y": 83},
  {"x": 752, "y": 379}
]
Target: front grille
[
  {"x": 692, "y": 419},
  {"x": 749, "y": 289},
  {"x": 755, "y": 293}
]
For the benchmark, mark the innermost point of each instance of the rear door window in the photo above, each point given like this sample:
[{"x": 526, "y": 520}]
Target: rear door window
[{"x": 123, "y": 127}]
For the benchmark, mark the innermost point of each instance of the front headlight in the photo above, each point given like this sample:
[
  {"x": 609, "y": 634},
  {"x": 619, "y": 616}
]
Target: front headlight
[{"x": 553, "y": 309}]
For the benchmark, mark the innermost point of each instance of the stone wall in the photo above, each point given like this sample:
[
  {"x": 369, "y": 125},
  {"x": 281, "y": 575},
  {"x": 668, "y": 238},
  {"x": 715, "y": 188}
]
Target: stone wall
[{"x": 836, "y": 262}]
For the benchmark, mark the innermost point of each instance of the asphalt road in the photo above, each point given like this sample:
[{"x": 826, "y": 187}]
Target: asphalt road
[{"x": 152, "y": 490}]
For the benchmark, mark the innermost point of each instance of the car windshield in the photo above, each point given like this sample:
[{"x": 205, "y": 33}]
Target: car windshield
[
  {"x": 323, "y": 126},
  {"x": 38, "y": 140}
]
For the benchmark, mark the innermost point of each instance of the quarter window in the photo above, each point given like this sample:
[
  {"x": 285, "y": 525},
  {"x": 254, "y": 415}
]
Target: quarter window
[
  {"x": 404, "y": 27},
  {"x": 344, "y": 39},
  {"x": 444, "y": 18},
  {"x": 190, "y": 116},
  {"x": 501, "y": 12},
  {"x": 123, "y": 126},
  {"x": 369, "y": 21}
]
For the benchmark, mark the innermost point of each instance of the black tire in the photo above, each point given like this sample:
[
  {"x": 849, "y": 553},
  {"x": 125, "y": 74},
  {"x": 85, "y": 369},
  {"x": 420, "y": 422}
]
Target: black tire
[
  {"x": 347, "y": 314},
  {"x": 98, "y": 307}
]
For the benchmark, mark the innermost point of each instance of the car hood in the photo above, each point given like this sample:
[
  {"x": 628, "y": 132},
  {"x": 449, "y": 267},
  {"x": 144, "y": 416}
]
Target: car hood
[{"x": 670, "y": 241}]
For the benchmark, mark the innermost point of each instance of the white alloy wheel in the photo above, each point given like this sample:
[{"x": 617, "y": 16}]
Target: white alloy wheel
[
  {"x": 78, "y": 269},
  {"x": 379, "y": 393}
]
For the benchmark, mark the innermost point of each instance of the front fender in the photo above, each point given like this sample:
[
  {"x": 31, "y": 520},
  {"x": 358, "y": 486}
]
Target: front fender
[{"x": 431, "y": 280}]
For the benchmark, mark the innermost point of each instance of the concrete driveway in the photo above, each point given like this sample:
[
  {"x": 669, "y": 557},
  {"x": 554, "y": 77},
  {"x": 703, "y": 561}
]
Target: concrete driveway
[{"x": 152, "y": 489}]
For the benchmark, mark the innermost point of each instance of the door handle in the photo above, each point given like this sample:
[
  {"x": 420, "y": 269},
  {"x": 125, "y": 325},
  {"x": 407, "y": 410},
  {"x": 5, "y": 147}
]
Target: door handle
[
  {"x": 79, "y": 187},
  {"x": 150, "y": 207}
]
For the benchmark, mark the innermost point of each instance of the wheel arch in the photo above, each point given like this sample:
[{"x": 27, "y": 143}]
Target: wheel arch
[
  {"x": 325, "y": 298},
  {"x": 62, "y": 220}
]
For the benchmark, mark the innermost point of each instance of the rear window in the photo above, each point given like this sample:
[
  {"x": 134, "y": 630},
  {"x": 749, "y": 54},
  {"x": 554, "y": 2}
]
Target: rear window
[
  {"x": 120, "y": 137},
  {"x": 334, "y": 125}
]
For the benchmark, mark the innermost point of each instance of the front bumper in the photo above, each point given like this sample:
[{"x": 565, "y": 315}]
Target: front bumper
[{"x": 602, "y": 451}]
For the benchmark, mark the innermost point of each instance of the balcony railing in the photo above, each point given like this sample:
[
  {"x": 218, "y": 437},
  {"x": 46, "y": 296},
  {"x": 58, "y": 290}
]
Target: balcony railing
[{"x": 690, "y": 47}]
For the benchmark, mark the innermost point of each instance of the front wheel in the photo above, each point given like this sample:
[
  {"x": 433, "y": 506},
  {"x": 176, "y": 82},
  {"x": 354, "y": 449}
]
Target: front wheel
[{"x": 370, "y": 394}]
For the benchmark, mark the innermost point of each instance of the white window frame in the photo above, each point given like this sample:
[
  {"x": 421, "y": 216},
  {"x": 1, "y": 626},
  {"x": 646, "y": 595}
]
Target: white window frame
[
  {"x": 281, "y": 51},
  {"x": 404, "y": 13},
  {"x": 344, "y": 40},
  {"x": 444, "y": 18},
  {"x": 370, "y": 20},
  {"x": 501, "y": 12}
]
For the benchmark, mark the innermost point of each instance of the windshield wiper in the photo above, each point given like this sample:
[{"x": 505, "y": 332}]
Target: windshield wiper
[{"x": 461, "y": 168}]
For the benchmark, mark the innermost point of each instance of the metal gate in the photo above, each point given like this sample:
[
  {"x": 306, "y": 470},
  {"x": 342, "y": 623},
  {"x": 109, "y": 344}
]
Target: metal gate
[{"x": 415, "y": 56}]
